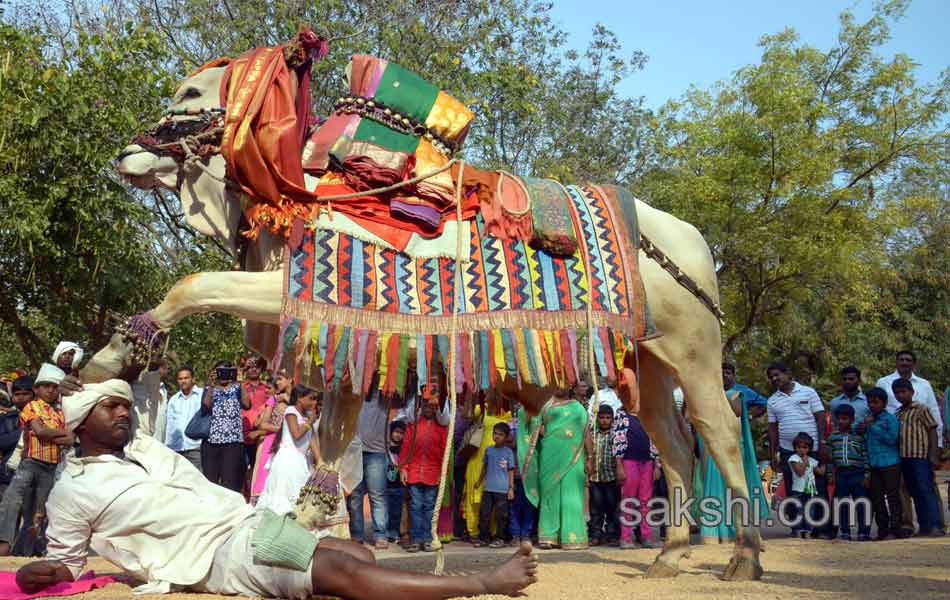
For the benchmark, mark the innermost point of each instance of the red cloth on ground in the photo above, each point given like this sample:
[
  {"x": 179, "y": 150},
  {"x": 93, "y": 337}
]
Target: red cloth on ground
[
  {"x": 424, "y": 451},
  {"x": 9, "y": 590}
]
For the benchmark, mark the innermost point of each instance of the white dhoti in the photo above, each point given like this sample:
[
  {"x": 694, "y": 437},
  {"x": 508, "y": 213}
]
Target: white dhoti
[{"x": 234, "y": 572}]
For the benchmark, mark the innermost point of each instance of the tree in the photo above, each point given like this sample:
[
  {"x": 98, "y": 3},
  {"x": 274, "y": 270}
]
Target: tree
[
  {"x": 77, "y": 246},
  {"x": 782, "y": 168},
  {"x": 540, "y": 110}
]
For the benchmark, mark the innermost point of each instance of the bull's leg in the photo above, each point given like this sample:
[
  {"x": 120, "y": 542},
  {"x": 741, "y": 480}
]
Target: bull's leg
[
  {"x": 698, "y": 369},
  {"x": 251, "y": 296},
  {"x": 691, "y": 347},
  {"x": 717, "y": 424},
  {"x": 672, "y": 438}
]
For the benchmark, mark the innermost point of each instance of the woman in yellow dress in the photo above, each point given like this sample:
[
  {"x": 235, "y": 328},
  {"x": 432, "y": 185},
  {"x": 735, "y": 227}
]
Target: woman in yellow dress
[{"x": 472, "y": 498}]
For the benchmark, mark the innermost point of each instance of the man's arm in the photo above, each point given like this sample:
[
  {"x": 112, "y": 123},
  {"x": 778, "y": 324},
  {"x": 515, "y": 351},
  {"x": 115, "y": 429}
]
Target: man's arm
[
  {"x": 773, "y": 445},
  {"x": 68, "y": 537},
  {"x": 169, "y": 415},
  {"x": 930, "y": 400},
  {"x": 245, "y": 398},
  {"x": 820, "y": 424},
  {"x": 757, "y": 404}
]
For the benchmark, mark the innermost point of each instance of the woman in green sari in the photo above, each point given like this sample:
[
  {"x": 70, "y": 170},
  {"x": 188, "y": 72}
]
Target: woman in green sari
[
  {"x": 554, "y": 478},
  {"x": 714, "y": 486}
]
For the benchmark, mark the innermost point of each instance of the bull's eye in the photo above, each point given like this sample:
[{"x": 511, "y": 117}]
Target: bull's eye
[{"x": 191, "y": 93}]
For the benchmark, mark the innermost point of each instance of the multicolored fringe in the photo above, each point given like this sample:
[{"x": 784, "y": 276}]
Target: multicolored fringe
[{"x": 352, "y": 309}]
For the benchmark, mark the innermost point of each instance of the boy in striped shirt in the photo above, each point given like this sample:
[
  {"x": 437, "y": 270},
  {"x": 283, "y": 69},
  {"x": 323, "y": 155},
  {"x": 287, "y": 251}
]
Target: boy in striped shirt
[
  {"x": 852, "y": 475},
  {"x": 44, "y": 435},
  {"x": 919, "y": 455}
]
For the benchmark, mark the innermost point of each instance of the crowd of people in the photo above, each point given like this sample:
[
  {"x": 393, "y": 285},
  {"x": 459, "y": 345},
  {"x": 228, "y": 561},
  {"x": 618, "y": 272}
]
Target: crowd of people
[{"x": 557, "y": 478}]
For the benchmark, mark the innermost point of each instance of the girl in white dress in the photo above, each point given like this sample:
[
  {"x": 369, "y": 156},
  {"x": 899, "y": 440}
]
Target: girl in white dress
[{"x": 289, "y": 469}]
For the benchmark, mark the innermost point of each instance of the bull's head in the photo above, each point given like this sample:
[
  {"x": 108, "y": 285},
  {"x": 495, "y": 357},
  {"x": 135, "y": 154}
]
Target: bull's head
[{"x": 157, "y": 158}]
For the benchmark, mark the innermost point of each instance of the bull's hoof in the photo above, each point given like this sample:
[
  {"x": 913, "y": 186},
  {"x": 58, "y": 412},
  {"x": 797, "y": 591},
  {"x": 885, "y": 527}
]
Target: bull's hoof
[
  {"x": 661, "y": 569},
  {"x": 743, "y": 568}
]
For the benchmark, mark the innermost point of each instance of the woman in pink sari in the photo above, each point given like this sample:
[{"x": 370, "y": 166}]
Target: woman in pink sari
[{"x": 270, "y": 419}]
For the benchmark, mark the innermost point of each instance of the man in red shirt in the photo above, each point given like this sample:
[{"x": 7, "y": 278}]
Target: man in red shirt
[
  {"x": 421, "y": 457},
  {"x": 256, "y": 390}
]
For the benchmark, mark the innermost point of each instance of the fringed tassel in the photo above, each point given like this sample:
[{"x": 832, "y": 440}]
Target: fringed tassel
[
  {"x": 403, "y": 363},
  {"x": 372, "y": 352}
]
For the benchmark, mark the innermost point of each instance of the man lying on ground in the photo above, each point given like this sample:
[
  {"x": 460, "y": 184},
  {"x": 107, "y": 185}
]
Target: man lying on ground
[{"x": 148, "y": 510}]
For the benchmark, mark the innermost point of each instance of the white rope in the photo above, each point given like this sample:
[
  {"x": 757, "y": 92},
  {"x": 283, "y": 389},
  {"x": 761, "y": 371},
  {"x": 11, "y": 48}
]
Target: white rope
[
  {"x": 453, "y": 400},
  {"x": 194, "y": 160}
]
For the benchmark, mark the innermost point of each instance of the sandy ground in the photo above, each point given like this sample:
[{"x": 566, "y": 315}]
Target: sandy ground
[{"x": 912, "y": 568}]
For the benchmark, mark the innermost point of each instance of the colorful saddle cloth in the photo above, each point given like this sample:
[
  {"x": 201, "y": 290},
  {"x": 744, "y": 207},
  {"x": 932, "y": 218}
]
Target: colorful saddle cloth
[
  {"x": 352, "y": 308},
  {"x": 393, "y": 126}
]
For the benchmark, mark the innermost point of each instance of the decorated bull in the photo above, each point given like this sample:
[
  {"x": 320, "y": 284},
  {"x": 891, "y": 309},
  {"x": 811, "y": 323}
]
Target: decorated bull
[{"x": 367, "y": 247}]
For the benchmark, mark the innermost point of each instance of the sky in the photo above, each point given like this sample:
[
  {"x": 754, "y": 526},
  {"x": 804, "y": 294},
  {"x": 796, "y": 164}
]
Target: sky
[{"x": 702, "y": 42}]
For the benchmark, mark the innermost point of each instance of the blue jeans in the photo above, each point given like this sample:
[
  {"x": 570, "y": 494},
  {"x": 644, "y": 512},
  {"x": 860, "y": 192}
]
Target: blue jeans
[
  {"x": 523, "y": 516},
  {"x": 374, "y": 482},
  {"x": 421, "y": 505},
  {"x": 849, "y": 483},
  {"x": 919, "y": 474},
  {"x": 394, "y": 498}
]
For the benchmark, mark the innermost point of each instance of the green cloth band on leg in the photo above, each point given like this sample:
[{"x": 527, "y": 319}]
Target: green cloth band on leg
[{"x": 279, "y": 541}]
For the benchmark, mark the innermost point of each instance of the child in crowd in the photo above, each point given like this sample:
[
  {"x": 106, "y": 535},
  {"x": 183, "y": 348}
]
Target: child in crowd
[
  {"x": 498, "y": 476},
  {"x": 522, "y": 515},
  {"x": 44, "y": 437},
  {"x": 852, "y": 475},
  {"x": 804, "y": 468},
  {"x": 604, "y": 493},
  {"x": 421, "y": 469},
  {"x": 395, "y": 490},
  {"x": 10, "y": 433},
  {"x": 919, "y": 454},
  {"x": 884, "y": 458},
  {"x": 635, "y": 472}
]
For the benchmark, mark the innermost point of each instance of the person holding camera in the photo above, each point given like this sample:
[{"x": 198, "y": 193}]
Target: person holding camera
[{"x": 222, "y": 453}]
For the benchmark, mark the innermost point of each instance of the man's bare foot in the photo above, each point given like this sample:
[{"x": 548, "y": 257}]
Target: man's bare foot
[
  {"x": 519, "y": 572},
  {"x": 4, "y": 549}
]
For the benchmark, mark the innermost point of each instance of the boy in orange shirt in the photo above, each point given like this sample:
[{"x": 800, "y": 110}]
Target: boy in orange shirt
[{"x": 44, "y": 435}]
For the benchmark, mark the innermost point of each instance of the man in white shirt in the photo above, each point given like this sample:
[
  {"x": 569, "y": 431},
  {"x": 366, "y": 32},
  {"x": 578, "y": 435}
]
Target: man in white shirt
[
  {"x": 905, "y": 363},
  {"x": 792, "y": 409},
  {"x": 181, "y": 408},
  {"x": 147, "y": 510},
  {"x": 606, "y": 396}
]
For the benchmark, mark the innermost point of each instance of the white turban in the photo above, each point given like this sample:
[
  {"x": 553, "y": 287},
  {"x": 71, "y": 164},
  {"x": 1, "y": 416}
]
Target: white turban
[
  {"x": 49, "y": 374},
  {"x": 66, "y": 347},
  {"x": 78, "y": 406}
]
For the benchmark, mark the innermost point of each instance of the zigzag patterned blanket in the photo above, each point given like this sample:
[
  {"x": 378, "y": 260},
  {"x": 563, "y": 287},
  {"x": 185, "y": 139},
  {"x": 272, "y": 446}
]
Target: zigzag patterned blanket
[{"x": 351, "y": 308}]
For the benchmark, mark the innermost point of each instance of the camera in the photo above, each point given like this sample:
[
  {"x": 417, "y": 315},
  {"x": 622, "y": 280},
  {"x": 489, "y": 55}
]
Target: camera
[{"x": 225, "y": 373}]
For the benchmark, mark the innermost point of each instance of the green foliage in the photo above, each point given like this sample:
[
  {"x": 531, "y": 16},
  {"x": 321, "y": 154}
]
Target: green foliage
[
  {"x": 76, "y": 245},
  {"x": 785, "y": 170},
  {"x": 818, "y": 176}
]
